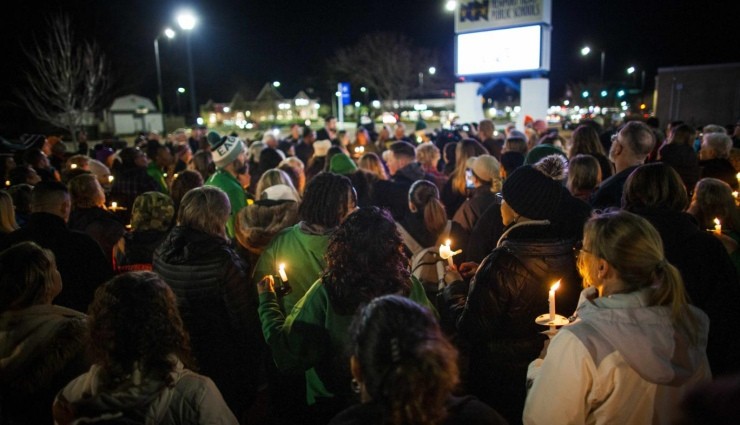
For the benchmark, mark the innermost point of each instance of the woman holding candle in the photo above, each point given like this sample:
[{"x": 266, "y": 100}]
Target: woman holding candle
[
  {"x": 637, "y": 346},
  {"x": 89, "y": 214},
  {"x": 364, "y": 260},
  {"x": 496, "y": 317},
  {"x": 713, "y": 199},
  {"x": 656, "y": 193}
]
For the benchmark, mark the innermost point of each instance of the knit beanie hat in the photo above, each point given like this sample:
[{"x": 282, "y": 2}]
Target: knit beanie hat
[
  {"x": 321, "y": 147},
  {"x": 342, "y": 164},
  {"x": 532, "y": 194},
  {"x": 213, "y": 138},
  {"x": 270, "y": 158},
  {"x": 152, "y": 211},
  {"x": 226, "y": 150}
]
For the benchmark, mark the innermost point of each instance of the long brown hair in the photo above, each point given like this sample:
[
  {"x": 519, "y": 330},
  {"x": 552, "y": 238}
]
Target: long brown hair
[
  {"x": 465, "y": 149},
  {"x": 424, "y": 196}
]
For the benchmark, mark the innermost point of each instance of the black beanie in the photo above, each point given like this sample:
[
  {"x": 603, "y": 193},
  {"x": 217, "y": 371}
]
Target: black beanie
[{"x": 532, "y": 194}]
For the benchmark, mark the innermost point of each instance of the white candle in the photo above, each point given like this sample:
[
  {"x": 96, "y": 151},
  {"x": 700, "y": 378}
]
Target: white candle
[
  {"x": 551, "y": 299},
  {"x": 113, "y": 205},
  {"x": 449, "y": 249},
  {"x": 717, "y": 227},
  {"x": 281, "y": 271}
]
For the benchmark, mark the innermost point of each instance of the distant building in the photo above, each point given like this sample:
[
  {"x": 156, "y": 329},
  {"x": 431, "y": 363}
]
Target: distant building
[
  {"x": 268, "y": 106},
  {"x": 131, "y": 114},
  {"x": 698, "y": 95}
]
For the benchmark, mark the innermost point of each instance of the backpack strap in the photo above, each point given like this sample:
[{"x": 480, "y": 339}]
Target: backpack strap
[{"x": 408, "y": 240}]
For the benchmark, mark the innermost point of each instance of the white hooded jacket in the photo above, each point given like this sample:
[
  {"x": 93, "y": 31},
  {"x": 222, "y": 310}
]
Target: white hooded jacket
[{"x": 621, "y": 362}]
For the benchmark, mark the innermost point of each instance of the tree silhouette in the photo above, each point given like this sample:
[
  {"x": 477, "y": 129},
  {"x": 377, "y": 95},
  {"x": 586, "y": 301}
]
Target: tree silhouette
[
  {"x": 66, "y": 78},
  {"x": 387, "y": 63}
]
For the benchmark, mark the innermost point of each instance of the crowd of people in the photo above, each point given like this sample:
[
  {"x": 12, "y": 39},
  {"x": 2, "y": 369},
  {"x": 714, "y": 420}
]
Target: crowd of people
[{"x": 207, "y": 278}]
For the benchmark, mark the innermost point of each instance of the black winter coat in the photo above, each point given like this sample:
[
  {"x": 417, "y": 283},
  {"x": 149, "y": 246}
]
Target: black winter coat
[
  {"x": 509, "y": 290},
  {"x": 219, "y": 310},
  {"x": 710, "y": 279}
]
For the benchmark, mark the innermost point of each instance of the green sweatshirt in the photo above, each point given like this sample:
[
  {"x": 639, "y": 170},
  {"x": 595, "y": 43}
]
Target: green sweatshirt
[
  {"x": 229, "y": 184},
  {"x": 303, "y": 256},
  {"x": 312, "y": 333}
]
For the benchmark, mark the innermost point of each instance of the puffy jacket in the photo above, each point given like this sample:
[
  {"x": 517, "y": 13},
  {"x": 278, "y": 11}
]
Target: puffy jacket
[
  {"x": 497, "y": 323},
  {"x": 219, "y": 310}
]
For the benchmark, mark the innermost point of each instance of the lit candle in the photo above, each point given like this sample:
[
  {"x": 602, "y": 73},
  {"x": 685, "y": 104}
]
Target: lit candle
[
  {"x": 7, "y": 182},
  {"x": 165, "y": 175},
  {"x": 447, "y": 253},
  {"x": 281, "y": 271},
  {"x": 73, "y": 166},
  {"x": 113, "y": 205},
  {"x": 717, "y": 227},
  {"x": 551, "y": 299},
  {"x": 449, "y": 249},
  {"x": 737, "y": 176},
  {"x": 110, "y": 179},
  {"x": 735, "y": 194}
]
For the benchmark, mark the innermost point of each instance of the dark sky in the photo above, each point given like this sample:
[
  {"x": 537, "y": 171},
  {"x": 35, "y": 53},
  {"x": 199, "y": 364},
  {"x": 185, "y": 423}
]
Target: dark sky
[{"x": 240, "y": 45}]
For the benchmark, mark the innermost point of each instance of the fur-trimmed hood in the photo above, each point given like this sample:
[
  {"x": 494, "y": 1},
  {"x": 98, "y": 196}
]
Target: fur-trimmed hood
[{"x": 257, "y": 224}]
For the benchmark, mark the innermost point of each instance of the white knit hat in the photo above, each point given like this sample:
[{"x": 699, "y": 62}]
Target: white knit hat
[{"x": 227, "y": 150}]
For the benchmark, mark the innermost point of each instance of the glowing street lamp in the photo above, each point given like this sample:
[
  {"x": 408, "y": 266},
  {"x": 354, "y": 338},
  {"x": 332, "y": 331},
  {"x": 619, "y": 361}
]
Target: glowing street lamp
[
  {"x": 276, "y": 84},
  {"x": 451, "y": 5},
  {"x": 631, "y": 70},
  {"x": 187, "y": 21},
  {"x": 585, "y": 51},
  {"x": 432, "y": 70}
]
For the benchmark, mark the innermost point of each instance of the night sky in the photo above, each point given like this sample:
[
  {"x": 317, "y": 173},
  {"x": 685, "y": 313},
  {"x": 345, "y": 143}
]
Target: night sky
[{"x": 240, "y": 45}]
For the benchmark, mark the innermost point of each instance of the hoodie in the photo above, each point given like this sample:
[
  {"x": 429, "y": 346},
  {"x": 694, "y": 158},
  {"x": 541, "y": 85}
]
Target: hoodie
[
  {"x": 621, "y": 361},
  {"x": 190, "y": 399}
]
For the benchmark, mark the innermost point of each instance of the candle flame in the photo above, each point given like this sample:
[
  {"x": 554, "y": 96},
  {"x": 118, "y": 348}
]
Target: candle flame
[
  {"x": 716, "y": 221},
  {"x": 281, "y": 267},
  {"x": 555, "y": 286},
  {"x": 737, "y": 176},
  {"x": 73, "y": 166},
  {"x": 110, "y": 179},
  {"x": 448, "y": 243},
  {"x": 735, "y": 194}
]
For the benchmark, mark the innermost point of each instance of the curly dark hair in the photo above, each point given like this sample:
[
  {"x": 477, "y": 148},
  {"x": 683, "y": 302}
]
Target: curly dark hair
[
  {"x": 134, "y": 320},
  {"x": 408, "y": 367},
  {"x": 365, "y": 259},
  {"x": 326, "y": 200}
]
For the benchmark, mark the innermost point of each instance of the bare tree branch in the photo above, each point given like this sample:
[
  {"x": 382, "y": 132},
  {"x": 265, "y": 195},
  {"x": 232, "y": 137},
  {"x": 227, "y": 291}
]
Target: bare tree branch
[
  {"x": 65, "y": 79},
  {"x": 387, "y": 63}
]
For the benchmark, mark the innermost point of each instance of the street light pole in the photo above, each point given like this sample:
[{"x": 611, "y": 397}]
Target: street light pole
[
  {"x": 603, "y": 59},
  {"x": 193, "y": 105},
  {"x": 187, "y": 21},
  {"x": 160, "y": 101}
]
